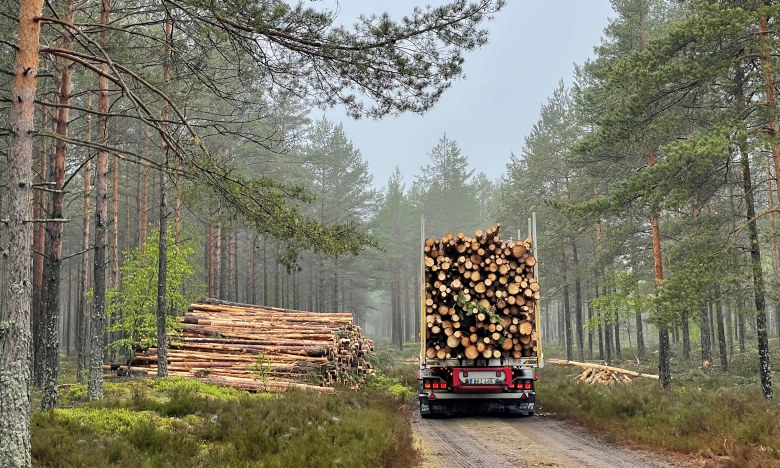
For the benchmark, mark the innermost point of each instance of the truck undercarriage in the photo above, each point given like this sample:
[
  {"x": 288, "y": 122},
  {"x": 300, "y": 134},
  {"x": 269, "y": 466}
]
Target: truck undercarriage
[{"x": 455, "y": 391}]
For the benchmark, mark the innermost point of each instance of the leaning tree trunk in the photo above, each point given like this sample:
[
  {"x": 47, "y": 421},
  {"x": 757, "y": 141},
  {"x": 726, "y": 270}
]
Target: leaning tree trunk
[{"x": 15, "y": 336}]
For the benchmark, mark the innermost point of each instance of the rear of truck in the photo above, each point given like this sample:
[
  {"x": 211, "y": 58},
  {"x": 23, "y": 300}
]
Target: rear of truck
[{"x": 480, "y": 342}]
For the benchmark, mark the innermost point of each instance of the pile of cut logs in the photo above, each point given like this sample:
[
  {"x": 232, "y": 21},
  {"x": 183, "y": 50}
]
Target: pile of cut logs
[
  {"x": 603, "y": 376},
  {"x": 599, "y": 373},
  {"x": 264, "y": 348},
  {"x": 480, "y": 295}
]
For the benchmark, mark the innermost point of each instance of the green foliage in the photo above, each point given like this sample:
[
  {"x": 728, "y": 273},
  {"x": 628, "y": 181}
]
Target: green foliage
[
  {"x": 469, "y": 308},
  {"x": 391, "y": 385},
  {"x": 261, "y": 368},
  {"x": 626, "y": 301},
  {"x": 133, "y": 306},
  {"x": 721, "y": 416},
  {"x": 175, "y": 422}
]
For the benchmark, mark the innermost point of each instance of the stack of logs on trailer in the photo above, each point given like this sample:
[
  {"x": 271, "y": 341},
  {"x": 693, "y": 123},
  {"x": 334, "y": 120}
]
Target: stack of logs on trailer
[
  {"x": 264, "y": 348},
  {"x": 480, "y": 296}
]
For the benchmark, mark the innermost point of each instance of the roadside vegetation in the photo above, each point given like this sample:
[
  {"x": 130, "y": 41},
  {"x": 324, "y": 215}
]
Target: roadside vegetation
[
  {"x": 176, "y": 422},
  {"x": 717, "y": 416}
]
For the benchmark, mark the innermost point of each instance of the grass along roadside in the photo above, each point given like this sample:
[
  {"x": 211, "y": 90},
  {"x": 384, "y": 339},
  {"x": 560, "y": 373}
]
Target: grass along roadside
[
  {"x": 711, "y": 415},
  {"x": 177, "y": 422}
]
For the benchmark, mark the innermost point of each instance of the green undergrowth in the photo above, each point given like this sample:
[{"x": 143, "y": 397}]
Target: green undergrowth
[
  {"x": 706, "y": 414},
  {"x": 176, "y": 422}
]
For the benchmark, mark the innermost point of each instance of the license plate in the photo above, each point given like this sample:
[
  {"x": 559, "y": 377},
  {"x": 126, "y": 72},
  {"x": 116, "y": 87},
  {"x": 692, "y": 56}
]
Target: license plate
[
  {"x": 481, "y": 381},
  {"x": 424, "y": 408},
  {"x": 525, "y": 406}
]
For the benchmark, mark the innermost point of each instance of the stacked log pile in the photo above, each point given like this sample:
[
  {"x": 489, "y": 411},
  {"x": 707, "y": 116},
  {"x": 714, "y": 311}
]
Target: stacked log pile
[
  {"x": 264, "y": 348},
  {"x": 480, "y": 296}
]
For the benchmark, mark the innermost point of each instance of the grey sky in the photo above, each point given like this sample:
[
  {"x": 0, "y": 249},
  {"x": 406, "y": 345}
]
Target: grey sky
[{"x": 533, "y": 44}]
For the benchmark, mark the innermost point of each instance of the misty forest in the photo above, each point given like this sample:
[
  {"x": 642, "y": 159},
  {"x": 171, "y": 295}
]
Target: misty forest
[{"x": 163, "y": 152}]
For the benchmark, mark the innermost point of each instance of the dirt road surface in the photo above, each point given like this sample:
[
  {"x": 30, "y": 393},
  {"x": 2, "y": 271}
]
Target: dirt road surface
[{"x": 471, "y": 442}]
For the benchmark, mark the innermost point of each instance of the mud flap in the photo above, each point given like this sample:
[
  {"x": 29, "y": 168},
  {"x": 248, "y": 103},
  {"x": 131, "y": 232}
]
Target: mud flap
[{"x": 432, "y": 409}]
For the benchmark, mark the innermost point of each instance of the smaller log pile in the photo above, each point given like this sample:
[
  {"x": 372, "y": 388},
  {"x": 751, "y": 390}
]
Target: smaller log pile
[
  {"x": 480, "y": 296},
  {"x": 599, "y": 373},
  {"x": 602, "y": 376},
  {"x": 263, "y": 348}
]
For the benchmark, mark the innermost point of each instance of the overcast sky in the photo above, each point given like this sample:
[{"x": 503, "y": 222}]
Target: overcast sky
[{"x": 533, "y": 44}]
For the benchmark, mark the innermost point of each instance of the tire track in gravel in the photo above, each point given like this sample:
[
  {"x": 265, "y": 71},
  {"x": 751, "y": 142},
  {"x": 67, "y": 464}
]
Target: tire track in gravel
[{"x": 525, "y": 442}]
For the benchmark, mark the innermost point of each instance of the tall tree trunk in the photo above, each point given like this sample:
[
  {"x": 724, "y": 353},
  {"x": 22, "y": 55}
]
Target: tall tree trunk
[
  {"x": 724, "y": 357},
  {"x": 113, "y": 271},
  {"x": 162, "y": 281},
  {"x": 53, "y": 257},
  {"x": 69, "y": 314},
  {"x": 599, "y": 248},
  {"x": 765, "y": 370},
  {"x": 706, "y": 343},
  {"x": 664, "y": 352},
  {"x": 209, "y": 260},
  {"x": 224, "y": 253},
  {"x": 265, "y": 273},
  {"x": 95, "y": 383},
  {"x": 686, "y": 335},
  {"x": 253, "y": 283},
  {"x": 15, "y": 333},
  {"x": 395, "y": 329},
  {"x": 578, "y": 304},
  {"x": 115, "y": 224},
  {"x": 82, "y": 309},
  {"x": 162, "y": 265},
  {"x": 607, "y": 332},
  {"x": 566, "y": 307},
  {"x": 640, "y": 336},
  {"x": 277, "y": 281},
  {"x": 143, "y": 199},
  {"x": 39, "y": 239},
  {"x": 217, "y": 262},
  {"x": 773, "y": 236},
  {"x": 335, "y": 306},
  {"x": 230, "y": 268}
]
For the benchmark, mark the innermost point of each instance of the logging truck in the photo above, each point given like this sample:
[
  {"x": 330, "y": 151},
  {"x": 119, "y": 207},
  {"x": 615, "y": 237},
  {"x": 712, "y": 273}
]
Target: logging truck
[{"x": 479, "y": 334}]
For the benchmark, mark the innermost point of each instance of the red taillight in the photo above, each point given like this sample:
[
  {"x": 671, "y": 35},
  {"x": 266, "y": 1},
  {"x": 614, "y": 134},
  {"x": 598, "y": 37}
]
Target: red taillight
[
  {"x": 527, "y": 386},
  {"x": 434, "y": 385}
]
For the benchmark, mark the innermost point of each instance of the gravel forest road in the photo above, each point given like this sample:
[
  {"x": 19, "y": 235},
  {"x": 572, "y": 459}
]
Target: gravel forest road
[{"x": 470, "y": 442}]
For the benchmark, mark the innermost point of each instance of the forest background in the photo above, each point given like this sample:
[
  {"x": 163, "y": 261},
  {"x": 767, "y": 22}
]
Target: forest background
[{"x": 653, "y": 176}]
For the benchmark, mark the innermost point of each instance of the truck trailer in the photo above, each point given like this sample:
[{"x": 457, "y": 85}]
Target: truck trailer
[{"x": 479, "y": 325}]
